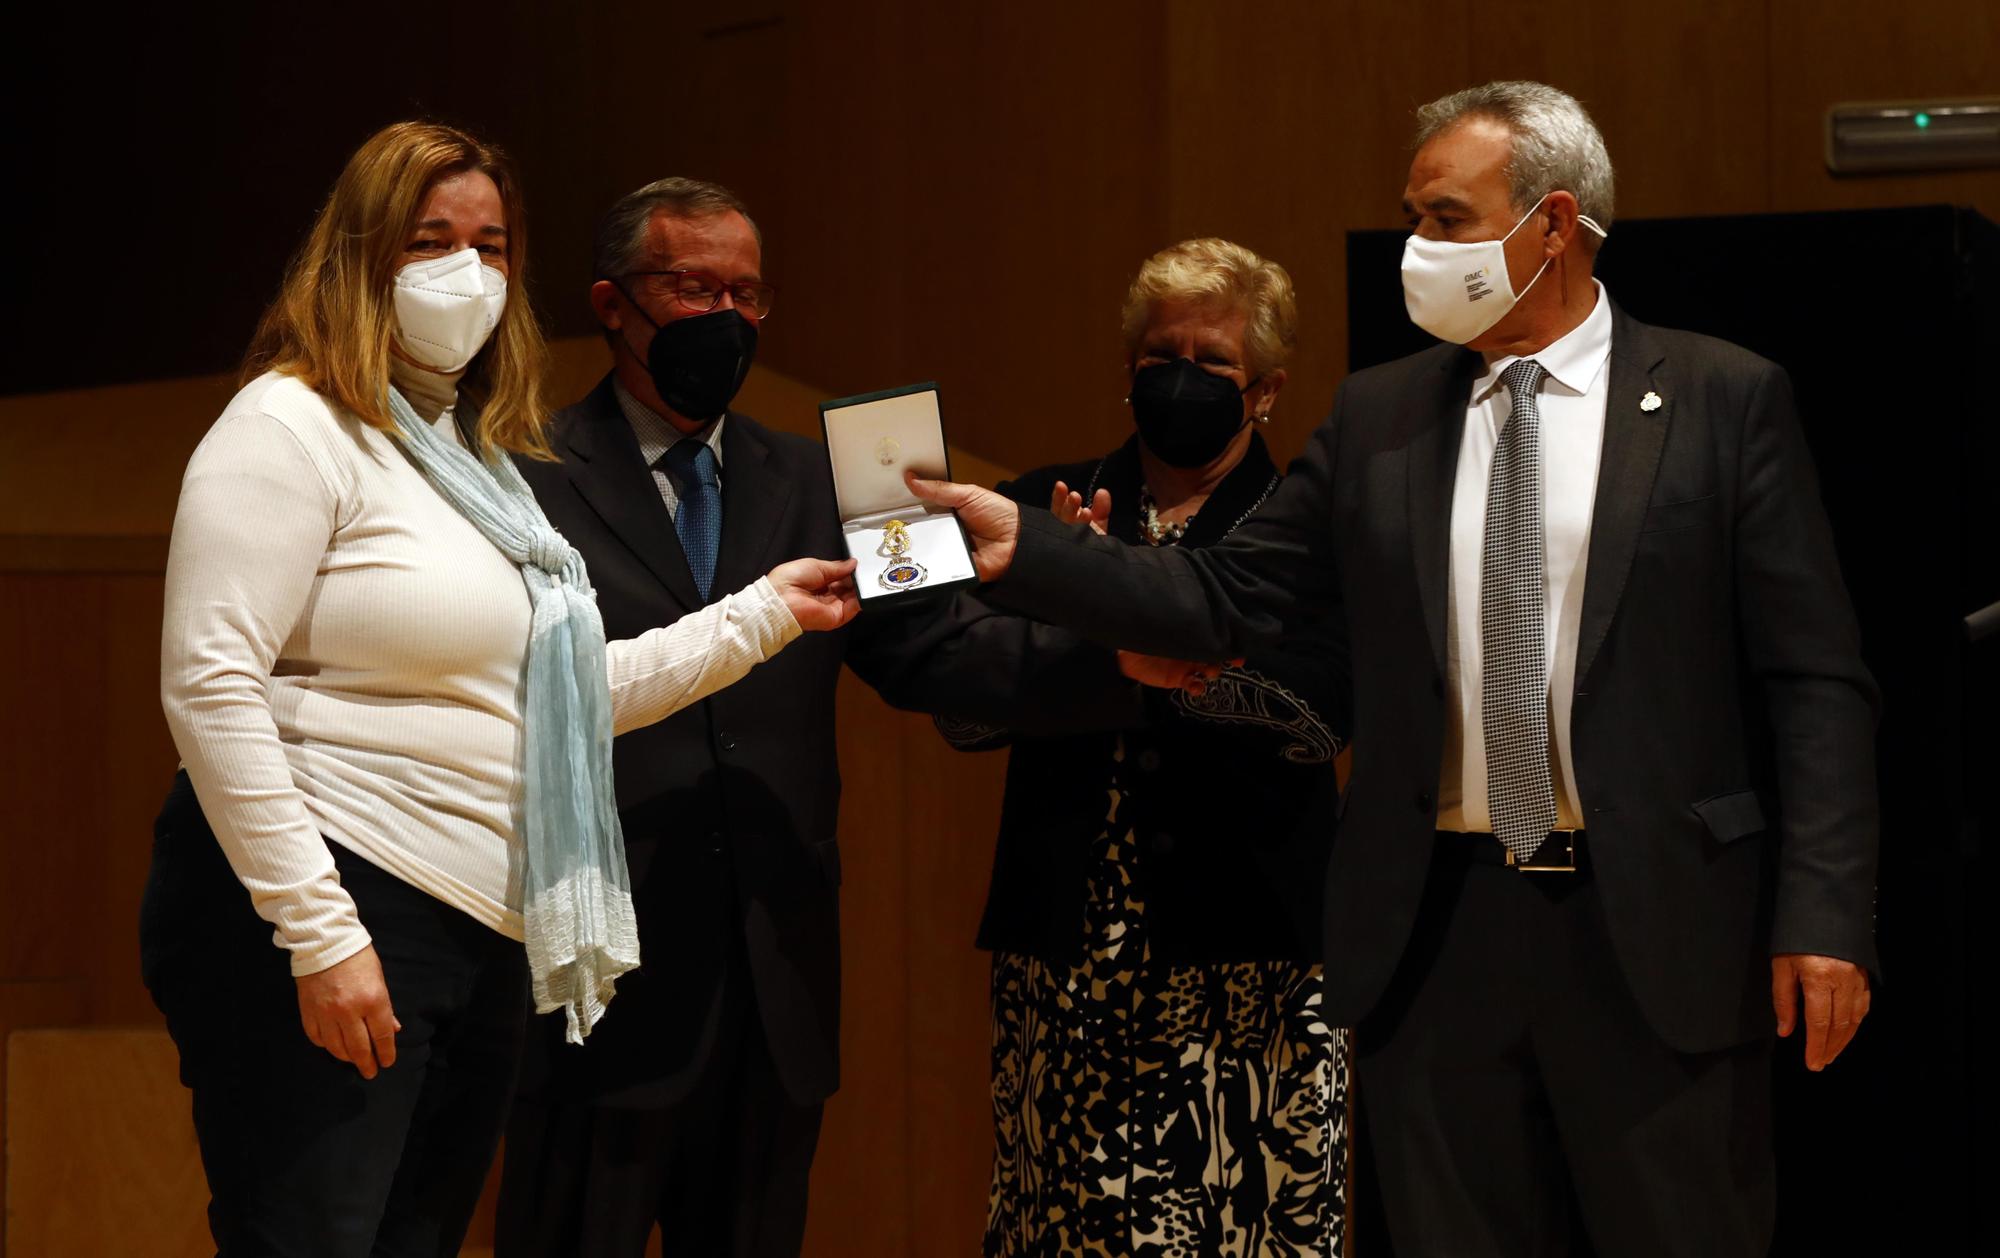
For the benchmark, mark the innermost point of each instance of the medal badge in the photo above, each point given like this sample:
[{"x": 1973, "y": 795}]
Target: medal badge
[{"x": 903, "y": 573}]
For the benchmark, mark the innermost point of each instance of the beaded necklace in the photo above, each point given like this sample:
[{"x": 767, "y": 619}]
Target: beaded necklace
[{"x": 1156, "y": 532}]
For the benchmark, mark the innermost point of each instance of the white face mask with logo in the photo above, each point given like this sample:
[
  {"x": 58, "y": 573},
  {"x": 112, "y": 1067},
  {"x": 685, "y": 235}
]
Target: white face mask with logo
[
  {"x": 447, "y": 307},
  {"x": 1456, "y": 291}
]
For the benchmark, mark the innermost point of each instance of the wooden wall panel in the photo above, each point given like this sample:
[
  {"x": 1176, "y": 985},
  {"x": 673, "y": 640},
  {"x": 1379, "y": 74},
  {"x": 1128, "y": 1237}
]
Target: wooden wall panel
[
  {"x": 137, "y": 762},
  {"x": 101, "y": 1148},
  {"x": 86, "y": 760},
  {"x": 951, "y": 193},
  {"x": 49, "y": 768},
  {"x": 26, "y": 1004},
  {"x": 135, "y": 439},
  {"x": 950, "y": 834},
  {"x": 1040, "y": 194},
  {"x": 1678, "y": 87},
  {"x": 816, "y": 141},
  {"x": 858, "y": 1190},
  {"x": 1826, "y": 52},
  {"x": 1290, "y": 127}
]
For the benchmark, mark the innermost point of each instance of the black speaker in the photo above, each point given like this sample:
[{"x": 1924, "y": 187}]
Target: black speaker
[{"x": 1889, "y": 323}]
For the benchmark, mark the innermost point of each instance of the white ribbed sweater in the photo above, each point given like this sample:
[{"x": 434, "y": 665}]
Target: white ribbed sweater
[{"x": 341, "y": 656}]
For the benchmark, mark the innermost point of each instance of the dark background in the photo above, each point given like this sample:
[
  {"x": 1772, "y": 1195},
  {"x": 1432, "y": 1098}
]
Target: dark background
[
  {"x": 950, "y": 193},
  {"x": 165, "y": 162}
]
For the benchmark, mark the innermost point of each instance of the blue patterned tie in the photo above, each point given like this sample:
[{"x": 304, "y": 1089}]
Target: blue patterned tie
[{"x": 698, "y": 519}]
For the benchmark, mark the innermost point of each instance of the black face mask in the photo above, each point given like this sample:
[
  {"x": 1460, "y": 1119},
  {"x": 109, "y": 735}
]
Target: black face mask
[
  {"x": 1186, "y": 416},
  {"x": 698, "y": 363}
]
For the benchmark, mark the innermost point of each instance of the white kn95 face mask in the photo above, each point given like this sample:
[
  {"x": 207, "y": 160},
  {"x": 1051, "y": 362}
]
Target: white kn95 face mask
[
  {"x": 1455, "y": 291},
  {"x": 447, "y": 307}
]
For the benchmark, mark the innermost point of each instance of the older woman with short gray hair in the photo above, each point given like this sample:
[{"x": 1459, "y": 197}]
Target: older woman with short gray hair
[{"x": 1163, "y": 1078}]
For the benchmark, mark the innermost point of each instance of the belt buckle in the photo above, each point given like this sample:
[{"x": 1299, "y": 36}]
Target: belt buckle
[{"x": 1549, "y": 866}]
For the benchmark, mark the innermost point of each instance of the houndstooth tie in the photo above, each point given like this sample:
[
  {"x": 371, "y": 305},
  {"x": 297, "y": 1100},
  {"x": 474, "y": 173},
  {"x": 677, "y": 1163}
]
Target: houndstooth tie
[{"x": 1512, "y": 642}]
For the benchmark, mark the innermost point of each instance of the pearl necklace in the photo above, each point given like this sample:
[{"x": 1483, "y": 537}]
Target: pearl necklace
[{"x": 1157, "y": 532}]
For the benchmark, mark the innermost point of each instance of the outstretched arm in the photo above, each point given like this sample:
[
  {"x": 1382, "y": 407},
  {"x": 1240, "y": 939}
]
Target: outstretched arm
[
  {"x": 977, "y": 666},
  {"x": 664, "y": 670},
  {"x": 1210, "y": 604}
]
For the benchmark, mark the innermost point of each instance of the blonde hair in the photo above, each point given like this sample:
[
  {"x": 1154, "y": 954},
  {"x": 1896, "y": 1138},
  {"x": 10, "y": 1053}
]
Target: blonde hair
[
  {"x": 333, "y": 321},
  {"x": 1211, "y": 269}
]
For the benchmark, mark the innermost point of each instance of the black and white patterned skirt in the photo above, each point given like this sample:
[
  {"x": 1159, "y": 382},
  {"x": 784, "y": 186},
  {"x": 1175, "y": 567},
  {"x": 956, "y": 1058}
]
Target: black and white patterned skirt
[{"x": 1162, "y": 1112}]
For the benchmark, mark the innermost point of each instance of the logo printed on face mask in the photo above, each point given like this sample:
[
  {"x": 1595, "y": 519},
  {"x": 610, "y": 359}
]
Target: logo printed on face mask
[{"x": 1458, "y": 310}]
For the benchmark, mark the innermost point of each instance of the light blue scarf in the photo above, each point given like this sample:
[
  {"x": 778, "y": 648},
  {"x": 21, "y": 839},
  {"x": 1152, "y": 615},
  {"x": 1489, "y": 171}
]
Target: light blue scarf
[{"x": 576, "y": 896}]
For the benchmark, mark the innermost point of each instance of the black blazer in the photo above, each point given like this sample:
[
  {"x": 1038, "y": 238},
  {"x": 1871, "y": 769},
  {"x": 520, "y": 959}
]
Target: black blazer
[
  {"x": 729, "y": 806},
  {"x": 1723, "y": 722},
  {"x": 1231, "y": 797}
]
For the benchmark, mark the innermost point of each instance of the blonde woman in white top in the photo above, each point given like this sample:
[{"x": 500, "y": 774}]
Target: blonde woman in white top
[{"x": 393, "y": 702}]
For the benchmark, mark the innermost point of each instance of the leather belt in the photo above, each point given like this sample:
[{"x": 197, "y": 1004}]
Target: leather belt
[{"x": 1563, "y": 852}]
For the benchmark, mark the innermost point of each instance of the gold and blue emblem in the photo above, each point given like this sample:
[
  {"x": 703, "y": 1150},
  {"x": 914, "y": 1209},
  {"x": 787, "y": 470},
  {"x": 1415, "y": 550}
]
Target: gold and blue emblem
[{"x": 903, "y": 572}]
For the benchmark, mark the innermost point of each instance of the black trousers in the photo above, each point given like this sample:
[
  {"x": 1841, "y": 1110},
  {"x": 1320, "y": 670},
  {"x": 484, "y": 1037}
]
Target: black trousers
[
  {"x": 718, "y": 1157},
  {"x": 304, "y": 1156},
  {"x": 1511, "y": 1083}
]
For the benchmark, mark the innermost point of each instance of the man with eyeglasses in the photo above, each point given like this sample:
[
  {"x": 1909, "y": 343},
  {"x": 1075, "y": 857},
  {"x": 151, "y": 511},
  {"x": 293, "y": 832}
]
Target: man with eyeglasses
[{"x": 696, "y": 1103}]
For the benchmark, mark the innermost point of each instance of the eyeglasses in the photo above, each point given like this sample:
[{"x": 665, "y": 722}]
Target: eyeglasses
[{"x": 700, "y": 291}]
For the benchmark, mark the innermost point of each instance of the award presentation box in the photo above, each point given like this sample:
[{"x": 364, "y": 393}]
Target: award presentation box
[{"x": 904, "y": 546}]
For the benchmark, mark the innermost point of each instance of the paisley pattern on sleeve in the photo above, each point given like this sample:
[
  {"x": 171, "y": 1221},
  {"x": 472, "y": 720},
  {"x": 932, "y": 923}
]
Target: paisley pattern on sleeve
[
  {"x": 966, "y": 735},
  {"x": 1243, "y": 696}
]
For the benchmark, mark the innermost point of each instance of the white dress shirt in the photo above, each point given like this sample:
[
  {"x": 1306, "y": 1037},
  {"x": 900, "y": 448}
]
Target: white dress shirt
[
  {"x": 1572, "y": 403},
  {"x": 657, "y": 436}
]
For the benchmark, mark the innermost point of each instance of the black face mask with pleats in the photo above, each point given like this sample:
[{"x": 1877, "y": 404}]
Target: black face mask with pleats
[
  {"x": 698, "y": 363},
  {"x": 1186, "y": 416}
]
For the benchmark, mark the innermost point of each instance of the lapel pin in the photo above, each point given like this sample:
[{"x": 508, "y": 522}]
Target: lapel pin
[{"x": 1650, "y": 403}]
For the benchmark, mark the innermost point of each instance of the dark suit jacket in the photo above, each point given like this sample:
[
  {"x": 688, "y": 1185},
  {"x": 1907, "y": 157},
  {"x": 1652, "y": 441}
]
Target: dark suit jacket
[
  {"x": 730, "y": 806},
  {"x": 1230, "y": 798},
  {"x": 1722, "y": 723}
]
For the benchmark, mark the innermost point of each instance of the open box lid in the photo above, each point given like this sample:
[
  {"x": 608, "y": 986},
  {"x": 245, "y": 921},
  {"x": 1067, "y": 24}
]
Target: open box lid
[{"x": 872, "y": 439}]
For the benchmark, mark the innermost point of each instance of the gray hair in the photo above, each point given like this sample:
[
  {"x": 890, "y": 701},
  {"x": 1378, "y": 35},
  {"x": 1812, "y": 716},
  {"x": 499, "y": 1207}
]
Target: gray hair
[
  {"x": 1556, "y": 147},
  {"x": 620, "y": 244}
]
